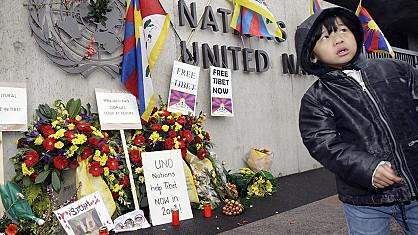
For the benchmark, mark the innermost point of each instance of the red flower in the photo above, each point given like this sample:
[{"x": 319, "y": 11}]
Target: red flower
[
  {"x": 207, "y": 135},
  {"x": 139, "y": 140},
  {"x": 183, "y": 152},
  {"x": 21, "y": 143},
  {"x": 60, "y": 162},
  {"x": 182, "y": 143},
  {"x": 106, "y": 136},
  {"x": 33, "y": 176},
  {"x": 171, "y": 122},
  {"x": 172, "y": 133},
  {"x": 135, "y": 156},
  {"x": 86, "y": 153},
  {"x": 11, "y": 229},
  {"x": 152, "y": 120},
  {"x": 166, "y": 113},
  {"x": 49, "y": 144},
  {"x": 198, "y": 139},
  {"x": 31, "y": 158},
  {"x": 104, "y": 148},
  {"x": 156, "y": 127},
  {"x": 72, "y": 121},
  {"x": 73, "y": 164},
  {"x": 113, "y": 164},
  {"x": 95, "y": 169},
  {"x": 93, "y": 141},
  {"x": 84, "y": 127},
  {"x": 143, "y": 122},
  {"x": 201, "y": 154},
  {"x": 115, "y": 195},
  {"x": 168, "y": 143},
  {"x": 125, "y": 181},
  {"x": 181, "y": 120},
  {"x": 188, "y": 135},
  {"x": 70, "y": 135},
  {"x": 46, "y": 130}
]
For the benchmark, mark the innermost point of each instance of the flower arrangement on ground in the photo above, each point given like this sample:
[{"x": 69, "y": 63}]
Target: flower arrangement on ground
[
  {"x": 61, "y": 138},
  {"x": 250, "y": 184}
]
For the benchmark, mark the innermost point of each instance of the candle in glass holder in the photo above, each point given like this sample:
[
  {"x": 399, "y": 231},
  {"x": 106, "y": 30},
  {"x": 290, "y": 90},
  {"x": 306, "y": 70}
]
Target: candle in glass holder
[
  {"x": 207, "y": 210},
  {"x": 175, "y": 217}
]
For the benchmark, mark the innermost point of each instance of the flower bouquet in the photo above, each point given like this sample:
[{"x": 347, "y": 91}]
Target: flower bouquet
[{"x": 250, "y": 184}]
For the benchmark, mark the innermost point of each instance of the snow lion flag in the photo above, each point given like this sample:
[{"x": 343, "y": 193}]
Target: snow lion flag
[
  {"x": 314, "y": 6},
  {"x": 251, "y": 17},
  {"x": 146, "y": 28},
  {"x": 374, "y": 40}
]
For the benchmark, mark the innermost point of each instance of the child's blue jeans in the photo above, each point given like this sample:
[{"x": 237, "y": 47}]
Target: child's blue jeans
[{"x": 376, "y": 219}]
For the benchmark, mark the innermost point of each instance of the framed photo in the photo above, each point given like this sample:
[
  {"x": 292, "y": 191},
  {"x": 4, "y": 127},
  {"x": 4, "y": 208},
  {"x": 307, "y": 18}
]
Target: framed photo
[{"x": 87, "y": 214}]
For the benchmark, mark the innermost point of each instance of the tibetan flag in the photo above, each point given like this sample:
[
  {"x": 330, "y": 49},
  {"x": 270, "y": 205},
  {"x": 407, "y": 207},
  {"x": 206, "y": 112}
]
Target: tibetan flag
[
  {"x": 146, "y": 27},
  {"x": 374, "y": 40},
  {"x": 183, "y": 98},
  {"x": 221, "y": 103},
  {"x": 314, "y": 7},
  {"x": 251, "y": 17}
]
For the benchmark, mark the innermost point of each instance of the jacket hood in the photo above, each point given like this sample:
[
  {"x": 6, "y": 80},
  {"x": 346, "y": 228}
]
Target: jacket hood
[{"x": 304, "y": 33}]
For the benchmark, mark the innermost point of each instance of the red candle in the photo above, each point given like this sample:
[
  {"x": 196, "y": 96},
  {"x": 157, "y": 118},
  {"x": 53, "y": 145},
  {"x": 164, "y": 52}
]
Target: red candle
[
  {"x": 207, "y": 210},
  {"x": 175, "y": 217}
]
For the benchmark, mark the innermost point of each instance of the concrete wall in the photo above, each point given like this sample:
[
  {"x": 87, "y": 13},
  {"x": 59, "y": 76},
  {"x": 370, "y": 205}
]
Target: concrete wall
[
  {"x": 413, "y": 42},
  {"x": 266, "y": 104}
]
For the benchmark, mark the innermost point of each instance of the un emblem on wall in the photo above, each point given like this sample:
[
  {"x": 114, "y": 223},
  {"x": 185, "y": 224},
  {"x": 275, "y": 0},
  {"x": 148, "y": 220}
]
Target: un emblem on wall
[{"x": 80, "y": 36}]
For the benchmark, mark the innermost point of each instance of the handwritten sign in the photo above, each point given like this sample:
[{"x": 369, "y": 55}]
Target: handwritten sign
[
  {"x": 183, "y": 88},
  {"x": 13, "y": 107},
  {"x": 87, "y": 214},
  {"x": 221, "y": 92},
  {"x": 166, "y": 185},
  {"x": 117, "y": 110}
]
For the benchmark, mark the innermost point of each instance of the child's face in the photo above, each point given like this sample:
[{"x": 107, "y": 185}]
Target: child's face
[{"x": 335, "y": 49}]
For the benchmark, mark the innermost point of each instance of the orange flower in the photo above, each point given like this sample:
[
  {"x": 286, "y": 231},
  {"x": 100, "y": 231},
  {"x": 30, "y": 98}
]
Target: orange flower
[{"x": 11, "y": 229}]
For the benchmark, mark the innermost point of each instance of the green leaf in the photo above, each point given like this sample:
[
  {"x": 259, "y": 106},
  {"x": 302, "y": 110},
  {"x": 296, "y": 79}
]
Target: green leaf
[
  {"x": 73, "y": 107},
  {"x": 26, "y": 181},
  {"x": 56, "y": 183},
  {"x": 42, "y": 177}
]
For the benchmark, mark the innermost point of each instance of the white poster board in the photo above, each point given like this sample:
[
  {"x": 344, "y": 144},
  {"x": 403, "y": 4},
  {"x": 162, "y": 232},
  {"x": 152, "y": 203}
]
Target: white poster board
[
  {"x": 221, "y": 92},
  {"x": 117, "y": 110},
  {"x": 166, "y": 185},
  {"x": 87, "y": 214},
  {"x": 183, "y": 88},
  {"x": 13, "y": 107}
]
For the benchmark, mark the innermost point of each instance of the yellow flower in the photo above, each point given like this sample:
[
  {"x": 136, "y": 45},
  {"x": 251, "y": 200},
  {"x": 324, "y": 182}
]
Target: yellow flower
[
  {"x": 111, "y": 177},
  {"x": 198, "y": 146},
  {"x": 97, "y": 153},
  {"x": 73, "y": 148},
  {"x": 106, "y": 171},
  {"x": 177, "y": 126},
  {"x": 78, "y": 118},
  {"x": 59, "y": 134},
  {"x": 139, "y": 170},
  {"x": 165, "y": 128},
  {"x": 245, "y": 171},
  {"x": 97, "y": 133},
  {"x": 155, "y": 137},
  {"x": 116, "y": 188},
  {"x": 39, "y": 140},
  {"x": 55, "y": 123},
  {"x": 141, "y": 179},
  {"x": 176, "y": 115},
  {"x": 59, "y": 145},
  {"x": 79, "y": 139},
  {"x": 26, "y": 170},
  {"x": 103, "y": 160},
  {"x": 169, "y": 117},
  {"x": 112, "y": 151},
  {"x": 71, "y": 126}
]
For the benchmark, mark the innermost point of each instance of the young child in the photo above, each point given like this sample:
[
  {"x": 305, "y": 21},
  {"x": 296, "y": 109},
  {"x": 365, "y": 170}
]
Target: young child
[{"x": 359, "y": 119}]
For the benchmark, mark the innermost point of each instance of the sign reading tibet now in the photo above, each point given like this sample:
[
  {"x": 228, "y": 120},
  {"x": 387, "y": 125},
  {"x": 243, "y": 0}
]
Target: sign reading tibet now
[
  {"x": 166, "y": 185},
  {"x": 117, "y": 110},
  {"x": 221, "y": 92},
  {"x": 13, "y": 107},
  {"x": 183, "y": 88}
]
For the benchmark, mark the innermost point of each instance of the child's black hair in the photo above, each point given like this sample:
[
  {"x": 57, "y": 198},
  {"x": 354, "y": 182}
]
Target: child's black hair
[{"x": 330, "y": 25}]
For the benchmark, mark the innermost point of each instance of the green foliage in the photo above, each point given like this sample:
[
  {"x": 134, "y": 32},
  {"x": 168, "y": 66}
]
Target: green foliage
[
  {"x": 98, "y": 10},
  {"x": 46, "y": 112},
  {"x": 42, "y": 177},
  {"x": 73, "y": 107}
]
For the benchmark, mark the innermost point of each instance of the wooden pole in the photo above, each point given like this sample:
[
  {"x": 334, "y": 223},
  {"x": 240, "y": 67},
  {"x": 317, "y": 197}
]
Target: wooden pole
[{"x": 128, "y": 164}]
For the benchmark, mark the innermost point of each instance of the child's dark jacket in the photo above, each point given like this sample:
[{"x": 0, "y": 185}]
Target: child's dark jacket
[{"x": 350, "y": 129}]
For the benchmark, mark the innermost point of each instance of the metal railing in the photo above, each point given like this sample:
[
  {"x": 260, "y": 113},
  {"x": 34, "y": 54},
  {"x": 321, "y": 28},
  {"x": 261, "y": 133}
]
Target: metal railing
[{"x": 411, "y": 57}]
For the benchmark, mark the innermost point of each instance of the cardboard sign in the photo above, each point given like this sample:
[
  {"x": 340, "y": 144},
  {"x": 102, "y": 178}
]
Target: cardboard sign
[
  {"x": 117, "y": 110},
  {"x": 221, "y": 92},
  {"x": 13, "y": 107},
  {"x": 183, "y": 88},
  {"x": 166, "y": 185},
  {"x": 87, "y": 214}
]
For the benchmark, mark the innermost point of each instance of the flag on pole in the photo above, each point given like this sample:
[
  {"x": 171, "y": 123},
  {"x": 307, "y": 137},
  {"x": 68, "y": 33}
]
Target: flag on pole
[
  {"x": 374, "y": 40},
  {"x": 146, "y": 28},
  {"x": 314, "y": 6},
  {"x": 252, "y": 17}
]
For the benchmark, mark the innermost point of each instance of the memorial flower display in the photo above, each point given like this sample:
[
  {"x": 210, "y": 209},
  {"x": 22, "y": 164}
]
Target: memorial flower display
[{"x": 250, "y": 184}]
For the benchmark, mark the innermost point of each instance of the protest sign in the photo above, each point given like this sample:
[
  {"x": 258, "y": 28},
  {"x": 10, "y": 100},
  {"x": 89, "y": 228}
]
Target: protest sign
[{"x": 221, "y": 92}]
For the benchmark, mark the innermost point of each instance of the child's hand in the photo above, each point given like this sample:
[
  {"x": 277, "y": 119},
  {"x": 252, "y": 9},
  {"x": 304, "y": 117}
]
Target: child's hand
[{"x": 385, "y": 176}]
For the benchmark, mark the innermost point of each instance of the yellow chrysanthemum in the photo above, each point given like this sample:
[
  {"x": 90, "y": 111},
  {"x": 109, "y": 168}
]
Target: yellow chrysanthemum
[
  {"x": 103, "y": 160},
  {"x": 79, "y": 139},
  {"x": 26, "y": 170},
  {"x": 112, "y": 151},
  {"x": 141, "y": 179},
  {"x": 106, "y": 171},
  {"x": 177, "y": 126},
  {"x": 71, "y": 126},
  {"x": 165, "y": 128},
  {"x": 155, "y": 137},
  {"x": 60, "y": 133},
  {"x": 116, "y": 188},
  {"x": 78, "y": 118},
  {"x": 139, "y": 170},
  {"x": 59, "y": 145},
  {"x": 111, "y": 177},
  {"x": 55, "y": 123},
  {"x": 97, "y": 133},
  {"x": 39, "y": 140}
]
